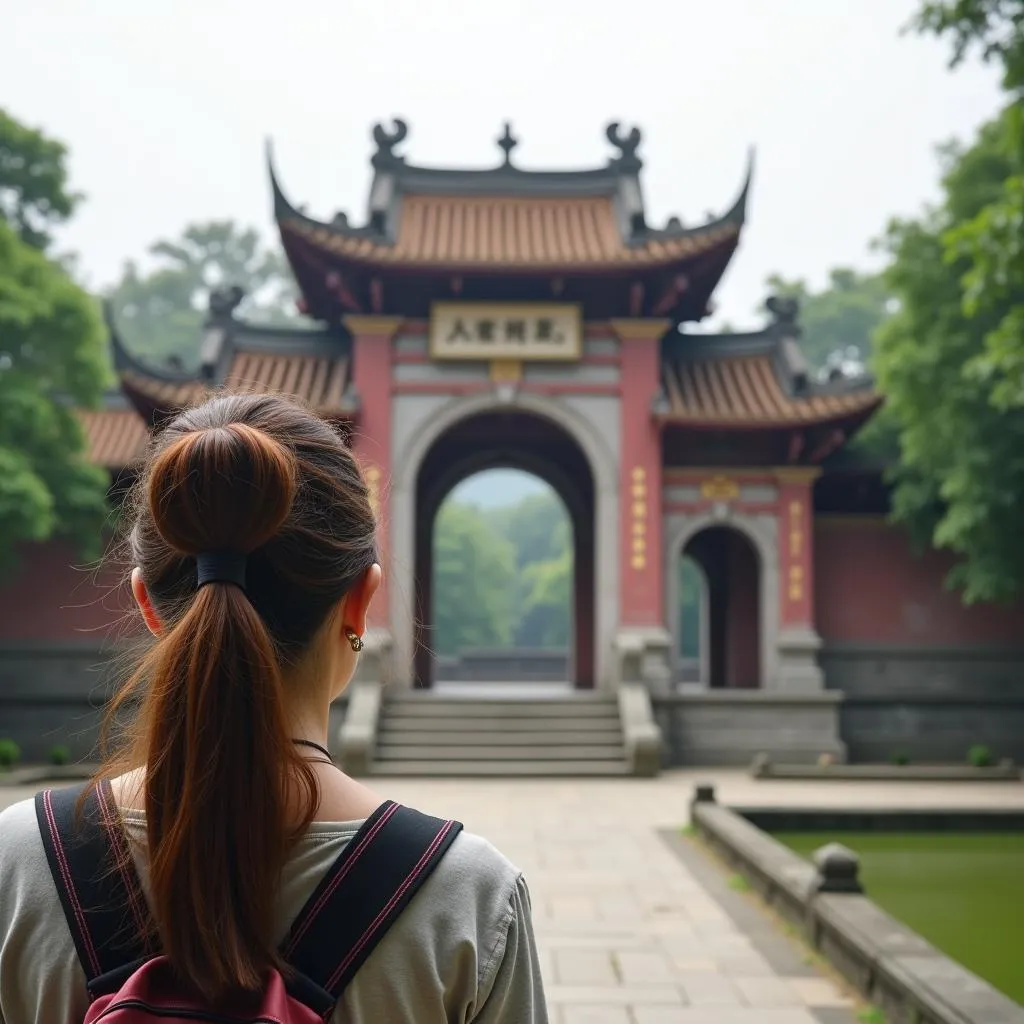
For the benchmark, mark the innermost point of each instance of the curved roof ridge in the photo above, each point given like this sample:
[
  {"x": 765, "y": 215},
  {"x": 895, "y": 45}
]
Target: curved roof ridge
[{"x": 127, "y": 361}]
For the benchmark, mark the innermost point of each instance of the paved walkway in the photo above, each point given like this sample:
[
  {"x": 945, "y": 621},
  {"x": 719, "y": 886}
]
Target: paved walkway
[{"x": 636, "y": 926}]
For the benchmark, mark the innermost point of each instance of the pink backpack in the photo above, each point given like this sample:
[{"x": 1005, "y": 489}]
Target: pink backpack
[{"x": 130, "y": 982}]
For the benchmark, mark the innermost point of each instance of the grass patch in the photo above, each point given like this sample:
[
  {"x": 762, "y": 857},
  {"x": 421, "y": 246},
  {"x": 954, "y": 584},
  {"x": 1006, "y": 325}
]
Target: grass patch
[
  {"x": 739, "y": 883},
  {"x": 871, "y": 1015},
  {"x": 690, "y": 830}
]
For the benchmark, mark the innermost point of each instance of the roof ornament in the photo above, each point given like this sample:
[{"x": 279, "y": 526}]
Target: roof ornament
[
  {"x": 223, "y": 302},
  {"x": 386, "y": 141},
  {"x": 507, "y": 143},
  {"x": 627, "y": 145},
  {"x": 784, "y": 310}
]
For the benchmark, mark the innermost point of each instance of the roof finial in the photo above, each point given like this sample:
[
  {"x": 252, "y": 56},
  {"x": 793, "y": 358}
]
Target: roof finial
[
  {"x": 508, "y": 142},
  {"x": 627, "y": 145},
  {"x": 387, "y": 140}
]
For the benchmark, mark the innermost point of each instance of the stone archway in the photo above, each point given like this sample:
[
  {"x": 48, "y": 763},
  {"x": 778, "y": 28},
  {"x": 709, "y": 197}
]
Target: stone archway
[
  {"x": 515, "y": 440},
  {"x": 419, "y": 422},
  {"x": 759, "y": 534},
  {"x": 730, "y": 615}
]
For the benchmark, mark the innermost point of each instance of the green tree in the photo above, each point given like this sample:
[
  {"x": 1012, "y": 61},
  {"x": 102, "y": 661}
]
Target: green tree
[
  {"x": 547, "y": 603},
  {"x": 538, "y": 527},
  {"x": 540, "y": 531},
  {"x": 691, "y": 594},
  {"x": 161, "y": 311},
  {"x": 992, "y": 28},
  {"x": 51, "y": 358},
  {"x": 34, "y": 196},
  {"x": 474, "y": 581},
  {"x": 950, "y": 361},
  {"x": 960, "y": 478},
  {"x": 843, "y": 315}
]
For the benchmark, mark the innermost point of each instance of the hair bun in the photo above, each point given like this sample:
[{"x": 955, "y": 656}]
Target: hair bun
[{"x": 224, "y": 488}]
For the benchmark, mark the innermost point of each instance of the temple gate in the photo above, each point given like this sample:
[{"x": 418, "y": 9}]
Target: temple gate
[{"x": 537, "y": 320}]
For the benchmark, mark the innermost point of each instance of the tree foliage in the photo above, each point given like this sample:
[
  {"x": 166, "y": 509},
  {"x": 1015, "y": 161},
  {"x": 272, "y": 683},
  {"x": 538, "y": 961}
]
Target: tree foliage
[
  {"x": 51, "y": 358},
  {"x": 161, "y": 311},
  {"x": 951, "y": 361},
  {"x": 844, "y": 315},
  {"x": 503, "y": 576},
  {"x": 474, "y": 581},
  {"x": 960, "y": 480},
  {"x": 992, "y": 28},
  {"x": 34, "y": 196}
]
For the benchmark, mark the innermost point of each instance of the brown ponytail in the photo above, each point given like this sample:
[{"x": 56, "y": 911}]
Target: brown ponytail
[{"x": 260, "y": 476}]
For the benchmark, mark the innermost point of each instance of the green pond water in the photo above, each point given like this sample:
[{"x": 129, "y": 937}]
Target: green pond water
[{"x": 963, "y": 893}]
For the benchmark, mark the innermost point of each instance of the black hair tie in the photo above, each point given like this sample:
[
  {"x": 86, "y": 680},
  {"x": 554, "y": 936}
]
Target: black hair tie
[{"x": 220, "y": 567}]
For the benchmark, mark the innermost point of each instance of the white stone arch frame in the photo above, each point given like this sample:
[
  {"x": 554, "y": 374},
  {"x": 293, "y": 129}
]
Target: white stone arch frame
[
  {"x": 604, "y": 469},
  {"x": 762, "y": 532}
]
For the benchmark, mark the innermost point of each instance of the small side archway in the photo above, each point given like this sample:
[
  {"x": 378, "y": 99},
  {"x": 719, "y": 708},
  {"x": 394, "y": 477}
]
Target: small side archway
[{"x": 733, "y": 574}]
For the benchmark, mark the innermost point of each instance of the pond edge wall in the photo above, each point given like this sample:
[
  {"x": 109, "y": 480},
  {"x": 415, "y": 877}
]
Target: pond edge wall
[{"x": 893, "y": 967}]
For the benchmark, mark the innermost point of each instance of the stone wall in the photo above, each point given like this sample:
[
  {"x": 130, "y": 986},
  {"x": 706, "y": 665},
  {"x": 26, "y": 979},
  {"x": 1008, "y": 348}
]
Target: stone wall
[
  {"x": 729, "y": 727},
  {"x": 893, "y": 968},
  {"x": 51, "y": 695},
  {"x": 928, "y": 703},
  {"x": 504, "y": 665}
]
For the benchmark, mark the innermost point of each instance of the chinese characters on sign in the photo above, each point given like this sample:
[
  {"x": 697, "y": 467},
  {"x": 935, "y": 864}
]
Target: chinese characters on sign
[
  {"x": 638, "y": 509},
  {"x": 546, "y": 331},
  {"x": 796, "y": 547},
  {"x": 719, "y": 488}
]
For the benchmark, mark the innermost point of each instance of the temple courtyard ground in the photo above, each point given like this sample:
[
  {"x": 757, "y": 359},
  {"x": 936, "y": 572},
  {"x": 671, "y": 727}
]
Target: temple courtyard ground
[{"x": 636, "y": 924}]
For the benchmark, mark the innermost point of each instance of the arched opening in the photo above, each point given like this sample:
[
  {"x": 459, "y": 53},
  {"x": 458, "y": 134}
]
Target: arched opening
[
  {"x": 562, "y": 487},
  {"x": 502, "y": 598},
  {"x": 720, "y": 610}
]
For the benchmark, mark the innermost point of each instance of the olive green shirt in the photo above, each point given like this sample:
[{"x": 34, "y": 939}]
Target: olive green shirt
[{"x": 462, "y": 950}]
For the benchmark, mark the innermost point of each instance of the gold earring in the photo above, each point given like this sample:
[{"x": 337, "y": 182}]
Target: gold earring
[{"x": 354, "y": 640}]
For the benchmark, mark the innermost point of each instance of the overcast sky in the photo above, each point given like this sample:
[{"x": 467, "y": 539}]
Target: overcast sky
[{"x": 165, "y": 105}]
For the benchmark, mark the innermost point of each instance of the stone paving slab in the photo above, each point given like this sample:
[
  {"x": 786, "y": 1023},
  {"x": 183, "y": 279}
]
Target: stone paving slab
[{"x": 636, "y": 925}]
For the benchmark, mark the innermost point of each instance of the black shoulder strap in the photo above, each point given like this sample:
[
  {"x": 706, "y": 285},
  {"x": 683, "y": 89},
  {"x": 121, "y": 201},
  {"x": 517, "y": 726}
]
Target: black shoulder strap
[
  {"x": 359, "y": 898},
  {"x": 362, "y": 894},
  {"x": 92, "y": 867}
]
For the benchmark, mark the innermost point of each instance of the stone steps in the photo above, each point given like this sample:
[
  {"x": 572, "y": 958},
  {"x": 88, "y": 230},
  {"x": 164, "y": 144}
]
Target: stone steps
[
  {"x": 420, "y": 734},
  {"x": 436, "y": 768}
]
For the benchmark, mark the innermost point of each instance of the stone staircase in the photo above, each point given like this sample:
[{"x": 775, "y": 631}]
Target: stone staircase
[{"x": 430, "y": 734}]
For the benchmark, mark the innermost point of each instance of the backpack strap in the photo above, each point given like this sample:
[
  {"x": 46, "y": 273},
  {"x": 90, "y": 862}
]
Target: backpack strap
[
  {"x": 361, "y": 896},
  {"x": 91, "y": 864}
]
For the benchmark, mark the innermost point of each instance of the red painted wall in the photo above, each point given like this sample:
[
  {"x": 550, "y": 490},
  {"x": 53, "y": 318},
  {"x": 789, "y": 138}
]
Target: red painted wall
[
  {"x": 55, "y": 596},
  {"x": 871, "y": 588},
  {"x": 641, "y": 598}
]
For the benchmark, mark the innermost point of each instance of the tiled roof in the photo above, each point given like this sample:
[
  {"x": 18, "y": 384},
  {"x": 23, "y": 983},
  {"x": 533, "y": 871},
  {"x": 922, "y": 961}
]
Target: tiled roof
[
  {"x": 318, "y": 380},
  {"x": 744, "y": 390},
  {"x": 512, "y": 231},
  {"x": 115, "y": 438}
]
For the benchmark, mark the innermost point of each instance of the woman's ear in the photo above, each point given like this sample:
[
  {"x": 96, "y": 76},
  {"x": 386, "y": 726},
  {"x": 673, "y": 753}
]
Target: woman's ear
[
  {"x": 141, "y": 595},
  {"x": 357, "y": 600}
]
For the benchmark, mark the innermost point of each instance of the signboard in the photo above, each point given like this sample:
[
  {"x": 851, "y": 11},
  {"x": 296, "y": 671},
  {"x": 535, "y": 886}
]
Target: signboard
[{"x": 544, "y": 331}]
